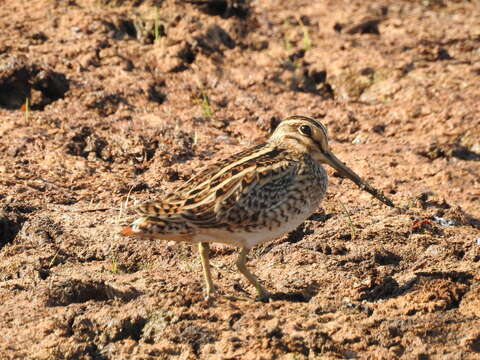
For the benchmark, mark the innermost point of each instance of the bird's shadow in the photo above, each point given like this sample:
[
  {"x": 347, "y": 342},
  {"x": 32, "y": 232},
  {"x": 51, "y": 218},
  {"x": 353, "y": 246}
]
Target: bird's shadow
[
  {"x": 297, "y": 296},
  {"x": 301, "y": 296},
  {"x": 291, "y": 296}
]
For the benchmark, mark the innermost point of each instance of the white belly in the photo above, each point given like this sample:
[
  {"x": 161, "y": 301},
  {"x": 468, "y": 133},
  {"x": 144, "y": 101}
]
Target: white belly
[
  {"x": 255, "y": 238},
  {"x": 250, "y": 239}
]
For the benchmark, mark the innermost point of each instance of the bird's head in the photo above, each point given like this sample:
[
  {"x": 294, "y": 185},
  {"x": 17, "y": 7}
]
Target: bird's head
[{"x": 309, "y": 136}]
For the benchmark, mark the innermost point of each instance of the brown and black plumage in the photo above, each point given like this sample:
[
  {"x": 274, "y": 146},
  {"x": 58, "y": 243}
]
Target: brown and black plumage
[{"x": 251, "y": 197}]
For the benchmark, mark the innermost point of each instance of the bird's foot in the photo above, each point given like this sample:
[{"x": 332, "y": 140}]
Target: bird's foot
[
  {"x": 210, "y": 292},
  {"x": 263, "y": 295}
]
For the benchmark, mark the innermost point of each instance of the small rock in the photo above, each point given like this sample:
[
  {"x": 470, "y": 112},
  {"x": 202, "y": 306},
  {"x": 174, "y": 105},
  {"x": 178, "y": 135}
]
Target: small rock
[{"x": 445, "y": 222}]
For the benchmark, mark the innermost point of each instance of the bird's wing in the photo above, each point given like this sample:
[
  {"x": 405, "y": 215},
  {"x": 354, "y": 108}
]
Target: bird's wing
[{"x": 234, "y": 192}]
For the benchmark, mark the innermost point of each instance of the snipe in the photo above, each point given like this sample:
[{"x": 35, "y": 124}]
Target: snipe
[{"x": 254, "y": 196}]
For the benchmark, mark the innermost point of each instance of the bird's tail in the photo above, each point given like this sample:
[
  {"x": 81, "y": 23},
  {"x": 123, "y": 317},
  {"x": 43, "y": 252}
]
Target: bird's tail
[
  {"x": 127, "y": 231},
  {"x": 137, "y": 228},
  {"x": 151, "y": 226}
]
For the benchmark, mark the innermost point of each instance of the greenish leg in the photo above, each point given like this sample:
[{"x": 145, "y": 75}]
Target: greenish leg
[
  {"x": 263, "y": 294},
  {"x": 203, "y": 249}
]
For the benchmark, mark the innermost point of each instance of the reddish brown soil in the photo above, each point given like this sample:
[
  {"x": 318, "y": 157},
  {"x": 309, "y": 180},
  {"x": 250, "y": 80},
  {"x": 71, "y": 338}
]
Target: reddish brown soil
[{"x": 120, "y": 113}]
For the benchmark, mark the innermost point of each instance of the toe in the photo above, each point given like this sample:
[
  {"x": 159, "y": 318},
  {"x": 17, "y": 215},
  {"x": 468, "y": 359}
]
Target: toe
[
  {"x": 263, "y": 296},
  {"x": 210, "y": 292}
]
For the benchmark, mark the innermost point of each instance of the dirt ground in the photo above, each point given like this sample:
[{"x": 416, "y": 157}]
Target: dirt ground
[{"x": 128, "y": 98}]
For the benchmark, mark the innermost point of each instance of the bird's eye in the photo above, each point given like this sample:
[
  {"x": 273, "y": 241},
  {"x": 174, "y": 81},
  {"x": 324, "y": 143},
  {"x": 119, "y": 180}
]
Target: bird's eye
[{"x": 305, "y": 130}]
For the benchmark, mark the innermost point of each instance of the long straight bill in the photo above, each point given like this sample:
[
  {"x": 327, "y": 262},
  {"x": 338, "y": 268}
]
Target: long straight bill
[{"x": 344, "y": 170}]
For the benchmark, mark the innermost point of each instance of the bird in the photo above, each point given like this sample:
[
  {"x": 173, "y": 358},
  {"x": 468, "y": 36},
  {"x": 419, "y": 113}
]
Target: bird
[{"x": 252, "y": 197}]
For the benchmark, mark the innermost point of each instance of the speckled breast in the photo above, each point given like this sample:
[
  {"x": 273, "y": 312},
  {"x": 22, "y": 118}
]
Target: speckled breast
[{"x": 299, "y": 203}]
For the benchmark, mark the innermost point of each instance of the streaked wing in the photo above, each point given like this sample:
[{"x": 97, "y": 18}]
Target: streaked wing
[
  {"x": 197, "y": 187},
  {"x": 235, "y": 192}
]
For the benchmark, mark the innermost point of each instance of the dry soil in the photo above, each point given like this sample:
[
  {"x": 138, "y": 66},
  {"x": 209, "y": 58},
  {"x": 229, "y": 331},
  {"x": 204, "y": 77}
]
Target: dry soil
[{"x": 129, "y": 98}]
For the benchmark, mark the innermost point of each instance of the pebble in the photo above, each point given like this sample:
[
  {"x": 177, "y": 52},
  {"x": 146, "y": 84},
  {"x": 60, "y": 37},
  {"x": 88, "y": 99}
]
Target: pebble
[{"x": 444, "y": 222}]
